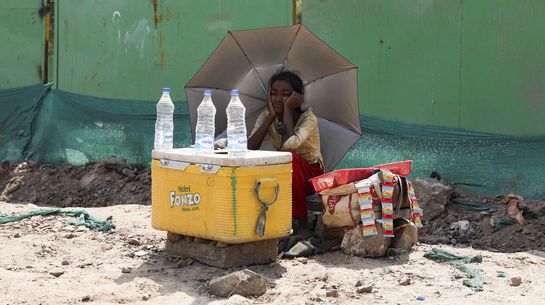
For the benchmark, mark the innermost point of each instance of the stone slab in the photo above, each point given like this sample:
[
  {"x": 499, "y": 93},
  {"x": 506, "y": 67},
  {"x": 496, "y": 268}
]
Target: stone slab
[{"x": 220, "y": 254}]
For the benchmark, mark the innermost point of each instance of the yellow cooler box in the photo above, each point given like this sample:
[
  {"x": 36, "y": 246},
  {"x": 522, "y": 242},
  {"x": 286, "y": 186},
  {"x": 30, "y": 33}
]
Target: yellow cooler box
[{"x": 222, "y": 198}]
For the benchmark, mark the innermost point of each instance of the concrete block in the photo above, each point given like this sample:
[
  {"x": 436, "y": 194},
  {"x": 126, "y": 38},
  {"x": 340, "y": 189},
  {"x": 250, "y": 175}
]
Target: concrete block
[{"x": 222, "y": 255}]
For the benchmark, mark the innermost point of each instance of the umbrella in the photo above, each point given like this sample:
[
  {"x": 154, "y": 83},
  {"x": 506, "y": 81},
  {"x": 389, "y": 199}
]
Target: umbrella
[{"x": 246, "y": 59}]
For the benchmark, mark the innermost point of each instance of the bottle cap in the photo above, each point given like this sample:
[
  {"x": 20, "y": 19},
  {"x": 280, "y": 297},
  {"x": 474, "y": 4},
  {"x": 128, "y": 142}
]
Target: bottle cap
[
  {"x": 166, "y": 90},
  {"x": 234, "y": 91},
  {"x": 207, "y": 91}
]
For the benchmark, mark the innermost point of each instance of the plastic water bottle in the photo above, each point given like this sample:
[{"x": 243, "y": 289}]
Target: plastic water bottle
[
  {"x": 205, "y": 130},
  {"x": 237, "y": 143},
  {"x": 164, "y": 126}
]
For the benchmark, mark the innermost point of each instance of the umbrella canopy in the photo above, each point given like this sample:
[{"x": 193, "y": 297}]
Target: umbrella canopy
[{"x": 246, "y": 59}]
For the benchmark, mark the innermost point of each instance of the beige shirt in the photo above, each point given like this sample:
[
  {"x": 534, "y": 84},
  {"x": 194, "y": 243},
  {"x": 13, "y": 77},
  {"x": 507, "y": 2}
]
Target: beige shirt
[{"x": 305, "y": 140}]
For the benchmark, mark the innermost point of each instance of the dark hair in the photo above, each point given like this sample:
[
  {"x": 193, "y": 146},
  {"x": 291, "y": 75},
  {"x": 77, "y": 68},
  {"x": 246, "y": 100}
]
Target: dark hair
[{"x": 293, "y": 79}]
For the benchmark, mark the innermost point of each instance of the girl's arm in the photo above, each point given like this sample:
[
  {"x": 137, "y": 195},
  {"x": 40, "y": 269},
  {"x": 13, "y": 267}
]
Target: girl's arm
[
  {"x": 293, "y": 102},
  {"x": 256, "y": 139}
]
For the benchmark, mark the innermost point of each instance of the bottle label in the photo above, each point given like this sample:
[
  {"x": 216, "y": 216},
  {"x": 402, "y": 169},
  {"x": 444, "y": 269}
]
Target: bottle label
[
  {"x": 237, "y": 142},
  {"x": 204, "y": 142},
  {"x": 163, "y": 137},
  {"x": 168, "y": 136}
]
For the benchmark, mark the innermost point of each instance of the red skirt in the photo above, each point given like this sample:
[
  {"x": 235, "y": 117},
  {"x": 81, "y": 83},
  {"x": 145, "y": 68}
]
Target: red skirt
[{"x": 300, "y": 186}]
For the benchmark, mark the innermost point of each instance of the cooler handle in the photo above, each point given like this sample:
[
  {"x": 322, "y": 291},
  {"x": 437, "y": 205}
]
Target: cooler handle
[{"x": 260, "y": 227}]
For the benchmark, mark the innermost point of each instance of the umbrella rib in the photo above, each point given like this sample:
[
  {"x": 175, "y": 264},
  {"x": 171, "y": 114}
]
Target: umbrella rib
[
  {"x": 328, "y": 75},
  {"x": 249, "y": 61},
  {"x": 289, "y": 49}
]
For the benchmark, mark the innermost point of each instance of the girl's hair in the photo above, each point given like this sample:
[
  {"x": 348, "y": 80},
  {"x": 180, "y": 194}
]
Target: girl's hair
[{"x": 293, "y": 79}]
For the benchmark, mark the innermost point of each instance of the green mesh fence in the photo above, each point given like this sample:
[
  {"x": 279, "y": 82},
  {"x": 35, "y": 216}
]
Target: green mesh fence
[
  {"x": 79, "y": 129},
  {"x": 52, "y": 126},
  {"x": 17, "y": 111},
  {"x": 484, "y": 164}
]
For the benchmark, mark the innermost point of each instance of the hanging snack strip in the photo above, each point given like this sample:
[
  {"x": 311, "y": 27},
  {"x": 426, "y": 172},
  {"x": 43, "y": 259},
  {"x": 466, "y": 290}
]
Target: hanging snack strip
[
  {"x": 387, "y": 206},
  {"x": 416, "y": 211},
  {"x": 365, "y": 200}
]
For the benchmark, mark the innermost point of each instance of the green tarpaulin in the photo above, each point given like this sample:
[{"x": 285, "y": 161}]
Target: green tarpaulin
[{"x": 53, "y": 126}]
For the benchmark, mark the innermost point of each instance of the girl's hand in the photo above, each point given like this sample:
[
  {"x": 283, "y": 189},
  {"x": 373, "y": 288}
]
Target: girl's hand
[
  {"x": 270, "y": 107},
  {"x": 294, "y": 101}
]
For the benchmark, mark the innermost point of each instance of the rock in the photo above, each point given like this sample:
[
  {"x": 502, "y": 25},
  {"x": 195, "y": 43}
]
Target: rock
[
  {"x": 126, "y": 270},
  {"x": 405, "y": 281},
  {"x": 405, "y": 234},
  {"x": 244, "y": 283},
  {"x": 133, "y": 242},
  {"x": 534, "y": 209},
  {"x": 56, "y": 273},
  {"x": 359, "y": 283},
  {"x": 462, "y": 226},
  {"x": 332, "y": 293},
  {"x": 432, "y": 196},
  {"x": 140, "y": 253},
  {"x": 86, "y": 298},
  {"x": 86, "y": 180},
  {"x": 365, "y": 289},
  {"x": 516, "y": 281},
  {"x": 65, "y": 263},
  {"x": 302, "y": 260},
  {"x": 70, "y": 235},
  {"x": 354, "y": 243},
  {"x": 16, "y": 235},
  {"x": 129, "y": 173}
]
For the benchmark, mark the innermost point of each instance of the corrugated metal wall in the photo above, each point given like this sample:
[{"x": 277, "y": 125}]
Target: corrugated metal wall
[
  {"x": 130, "y": 49},
  {"x": 22, "y": 29},
  {"x": 475, "y": 65},
  {"x": 126, "y": 49}
]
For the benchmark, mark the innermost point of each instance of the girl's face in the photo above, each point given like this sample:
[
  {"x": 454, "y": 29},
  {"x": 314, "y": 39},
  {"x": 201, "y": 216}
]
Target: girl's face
[{"x": 280, "y": 91}]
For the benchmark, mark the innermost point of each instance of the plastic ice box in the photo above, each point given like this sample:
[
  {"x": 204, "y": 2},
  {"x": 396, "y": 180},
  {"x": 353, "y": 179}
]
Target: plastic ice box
[{"x": 215, "y": 196}]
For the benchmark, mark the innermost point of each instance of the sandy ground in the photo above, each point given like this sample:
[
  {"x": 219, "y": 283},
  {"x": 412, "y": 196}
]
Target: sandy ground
[{"x": 129, "y": 266}]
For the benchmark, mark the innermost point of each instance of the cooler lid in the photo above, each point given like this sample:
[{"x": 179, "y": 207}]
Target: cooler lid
[{"x": 252, "y": 157}]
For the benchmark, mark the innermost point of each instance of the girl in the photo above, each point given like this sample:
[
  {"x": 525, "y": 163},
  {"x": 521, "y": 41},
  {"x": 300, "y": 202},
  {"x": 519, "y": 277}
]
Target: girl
[{"x": 291, "y": 126}]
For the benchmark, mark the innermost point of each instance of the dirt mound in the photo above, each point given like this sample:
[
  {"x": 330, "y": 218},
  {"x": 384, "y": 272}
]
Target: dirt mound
[
  {"x": 113, "y": 182},
  {"x": 107, "y": 183},
  {"x": 504, "y": 223}
]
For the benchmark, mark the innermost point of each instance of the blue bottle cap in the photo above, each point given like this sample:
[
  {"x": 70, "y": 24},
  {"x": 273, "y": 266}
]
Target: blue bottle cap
[
  {"x": 207, "y": 91},
  {"x": 166, "y": 90},
  {"x": 234, "y": 91}
]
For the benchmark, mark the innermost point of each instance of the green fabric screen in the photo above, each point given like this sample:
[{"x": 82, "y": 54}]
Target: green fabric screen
[
  {"x": 66, "y": 127},
  {"x": 78, "y": 129},
  {"x": 17, "y": 110}
]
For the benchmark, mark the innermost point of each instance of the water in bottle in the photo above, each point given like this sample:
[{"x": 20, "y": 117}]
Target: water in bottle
[
  {"x": 236, "y": 126},
  {"x": 164, "y": 126},
  {"x": 205, "y": 130}
]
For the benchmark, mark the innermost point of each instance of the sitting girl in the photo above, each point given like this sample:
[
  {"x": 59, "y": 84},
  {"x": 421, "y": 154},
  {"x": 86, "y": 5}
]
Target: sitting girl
[{"x": 291, "y": 126}]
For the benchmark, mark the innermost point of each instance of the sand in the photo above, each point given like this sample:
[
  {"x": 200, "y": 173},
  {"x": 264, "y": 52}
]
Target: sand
[{"x": 43, "y": 260}]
